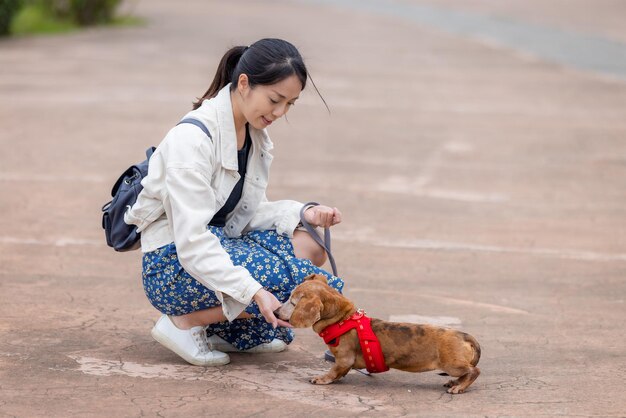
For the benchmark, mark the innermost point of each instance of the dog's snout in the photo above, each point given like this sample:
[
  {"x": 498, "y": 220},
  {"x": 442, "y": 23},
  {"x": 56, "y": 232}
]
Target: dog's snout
[{"x": 283, "y": 312}]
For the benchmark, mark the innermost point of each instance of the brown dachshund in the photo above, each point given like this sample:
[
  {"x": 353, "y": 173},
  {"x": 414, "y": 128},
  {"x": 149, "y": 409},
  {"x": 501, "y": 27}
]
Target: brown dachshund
[{"x": 408, "y": 347}]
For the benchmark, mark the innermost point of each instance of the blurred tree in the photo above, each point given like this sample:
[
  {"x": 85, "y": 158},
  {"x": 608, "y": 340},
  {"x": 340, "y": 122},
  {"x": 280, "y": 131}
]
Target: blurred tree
[
  {"x": 84, "y": 12},
  {"x": 8, "y": 9},
  {"x": 90, "y": 12}
]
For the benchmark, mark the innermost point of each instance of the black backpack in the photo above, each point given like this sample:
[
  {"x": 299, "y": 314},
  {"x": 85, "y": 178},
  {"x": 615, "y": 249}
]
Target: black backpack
[{"x": 119, "y": 235}]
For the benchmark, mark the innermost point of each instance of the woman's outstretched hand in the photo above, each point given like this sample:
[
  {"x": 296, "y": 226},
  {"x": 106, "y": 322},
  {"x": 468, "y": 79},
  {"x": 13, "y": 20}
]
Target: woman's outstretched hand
[
  {"x": 322, "y": 216},
  {"x": 267, "y": 305}
]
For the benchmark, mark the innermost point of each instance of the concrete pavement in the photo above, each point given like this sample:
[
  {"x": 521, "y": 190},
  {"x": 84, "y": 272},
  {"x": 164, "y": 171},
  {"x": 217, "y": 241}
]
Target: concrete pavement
[{"x": 482, "y": 188}]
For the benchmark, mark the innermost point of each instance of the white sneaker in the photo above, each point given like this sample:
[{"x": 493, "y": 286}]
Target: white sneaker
[
  {"x": 190, "y": 344},
  {"x": 274, "y": 346}
]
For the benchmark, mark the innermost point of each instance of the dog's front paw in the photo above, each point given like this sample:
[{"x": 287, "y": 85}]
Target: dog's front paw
[{"x": 321, "y": 380}]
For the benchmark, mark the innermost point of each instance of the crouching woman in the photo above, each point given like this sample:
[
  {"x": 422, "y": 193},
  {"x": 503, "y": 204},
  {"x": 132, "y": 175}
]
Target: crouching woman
[{"x": 219, "y": 258}]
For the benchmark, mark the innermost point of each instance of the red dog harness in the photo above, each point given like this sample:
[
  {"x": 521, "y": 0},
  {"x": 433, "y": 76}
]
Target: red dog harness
[{"x": 370, "y": 346}]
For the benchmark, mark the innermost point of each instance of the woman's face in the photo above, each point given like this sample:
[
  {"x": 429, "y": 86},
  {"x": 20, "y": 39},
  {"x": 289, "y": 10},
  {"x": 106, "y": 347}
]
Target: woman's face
[{"x": 263, "y": 104}]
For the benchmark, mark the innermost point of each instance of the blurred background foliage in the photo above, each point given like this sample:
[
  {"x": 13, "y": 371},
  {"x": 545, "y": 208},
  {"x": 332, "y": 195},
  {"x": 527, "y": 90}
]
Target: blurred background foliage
[
  {"x": 24, "y": 17},
  {"x": 8, "y": 9}
]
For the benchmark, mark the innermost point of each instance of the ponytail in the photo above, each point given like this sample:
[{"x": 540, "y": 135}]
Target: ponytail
[{"x": 224, "y": 73}]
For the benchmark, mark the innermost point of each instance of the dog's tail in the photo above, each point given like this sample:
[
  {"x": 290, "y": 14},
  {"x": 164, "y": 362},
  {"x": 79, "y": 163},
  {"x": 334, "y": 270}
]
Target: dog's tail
[{"x": 475, "y": 346}]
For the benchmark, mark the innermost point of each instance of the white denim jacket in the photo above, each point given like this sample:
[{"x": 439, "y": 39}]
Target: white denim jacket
[{"x": 189, "y": 179}]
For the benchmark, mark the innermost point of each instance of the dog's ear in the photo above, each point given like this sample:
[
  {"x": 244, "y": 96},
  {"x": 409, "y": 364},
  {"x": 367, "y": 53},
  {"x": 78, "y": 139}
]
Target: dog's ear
[
  {"x": 307, "y": 312},
  {"x": 317, "y": 277}
]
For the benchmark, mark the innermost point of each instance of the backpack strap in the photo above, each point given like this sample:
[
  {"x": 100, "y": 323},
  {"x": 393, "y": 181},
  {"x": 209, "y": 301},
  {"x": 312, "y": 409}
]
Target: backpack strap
[{"x": 198, "y": 124}]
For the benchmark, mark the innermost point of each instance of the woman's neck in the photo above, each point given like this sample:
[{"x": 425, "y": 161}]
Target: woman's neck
[{"x": 239, "y": 119}]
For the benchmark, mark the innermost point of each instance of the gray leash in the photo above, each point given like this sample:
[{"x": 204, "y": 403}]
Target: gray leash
[{"x": 325, "y": 244}]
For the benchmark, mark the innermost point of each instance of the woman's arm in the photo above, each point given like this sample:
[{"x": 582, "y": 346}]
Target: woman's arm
[{"x": 284, "y": 216}]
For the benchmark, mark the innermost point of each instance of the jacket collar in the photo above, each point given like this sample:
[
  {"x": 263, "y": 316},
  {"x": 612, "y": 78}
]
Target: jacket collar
[{"x": 228, "y": 135}]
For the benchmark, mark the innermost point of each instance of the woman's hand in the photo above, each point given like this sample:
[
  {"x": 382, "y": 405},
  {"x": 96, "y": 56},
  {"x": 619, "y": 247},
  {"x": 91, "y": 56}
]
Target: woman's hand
[
  {"x": 267, "y": 305},
  {"x": 323, "y": 216}
]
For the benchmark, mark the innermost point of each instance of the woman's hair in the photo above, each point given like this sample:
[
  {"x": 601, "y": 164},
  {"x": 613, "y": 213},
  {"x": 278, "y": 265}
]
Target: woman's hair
[{"x": 265, "y": 62}]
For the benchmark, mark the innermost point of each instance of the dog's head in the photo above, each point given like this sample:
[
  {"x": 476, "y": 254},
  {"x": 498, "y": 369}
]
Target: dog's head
[{"x": 314, "y": 302}]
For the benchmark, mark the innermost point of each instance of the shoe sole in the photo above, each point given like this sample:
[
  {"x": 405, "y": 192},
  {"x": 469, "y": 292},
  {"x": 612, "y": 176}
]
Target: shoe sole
[
  {"x": 253, "y": 350},
  {"x": 260, "y": 349},
  {"x": 165, "y": 341}
]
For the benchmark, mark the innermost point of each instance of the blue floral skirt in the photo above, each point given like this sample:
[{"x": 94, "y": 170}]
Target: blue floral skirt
[{"x": 270, "y": 259}]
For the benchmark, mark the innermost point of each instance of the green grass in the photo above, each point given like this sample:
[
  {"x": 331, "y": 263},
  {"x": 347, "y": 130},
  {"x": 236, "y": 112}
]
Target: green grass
[
  {"x": 35, "y": 20},
  {"x": 32, "y": 19}
]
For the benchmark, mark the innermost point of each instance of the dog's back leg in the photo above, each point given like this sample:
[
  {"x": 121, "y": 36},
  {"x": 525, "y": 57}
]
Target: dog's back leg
[{"x": 466, "y": 376}]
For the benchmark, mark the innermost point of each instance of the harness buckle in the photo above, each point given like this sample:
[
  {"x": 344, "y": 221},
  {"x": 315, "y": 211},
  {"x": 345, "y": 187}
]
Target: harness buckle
[{"x": 359, "y": 313}]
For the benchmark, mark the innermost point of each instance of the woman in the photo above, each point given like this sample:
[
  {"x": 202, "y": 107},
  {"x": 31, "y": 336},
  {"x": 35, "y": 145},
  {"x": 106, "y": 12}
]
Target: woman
[{"x": 218, "y": 256}]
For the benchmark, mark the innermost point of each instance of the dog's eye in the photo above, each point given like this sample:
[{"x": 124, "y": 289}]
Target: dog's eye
[{"x": 291, "y": 301}]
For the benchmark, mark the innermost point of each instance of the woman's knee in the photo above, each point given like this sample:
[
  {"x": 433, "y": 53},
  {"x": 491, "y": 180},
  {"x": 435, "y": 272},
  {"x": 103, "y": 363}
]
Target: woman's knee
[{"x": 305, "y": 247}]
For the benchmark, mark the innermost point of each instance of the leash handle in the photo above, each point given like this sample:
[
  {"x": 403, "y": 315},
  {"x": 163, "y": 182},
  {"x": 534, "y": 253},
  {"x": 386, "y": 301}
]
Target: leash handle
[{"x": 325, "y": 244}]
